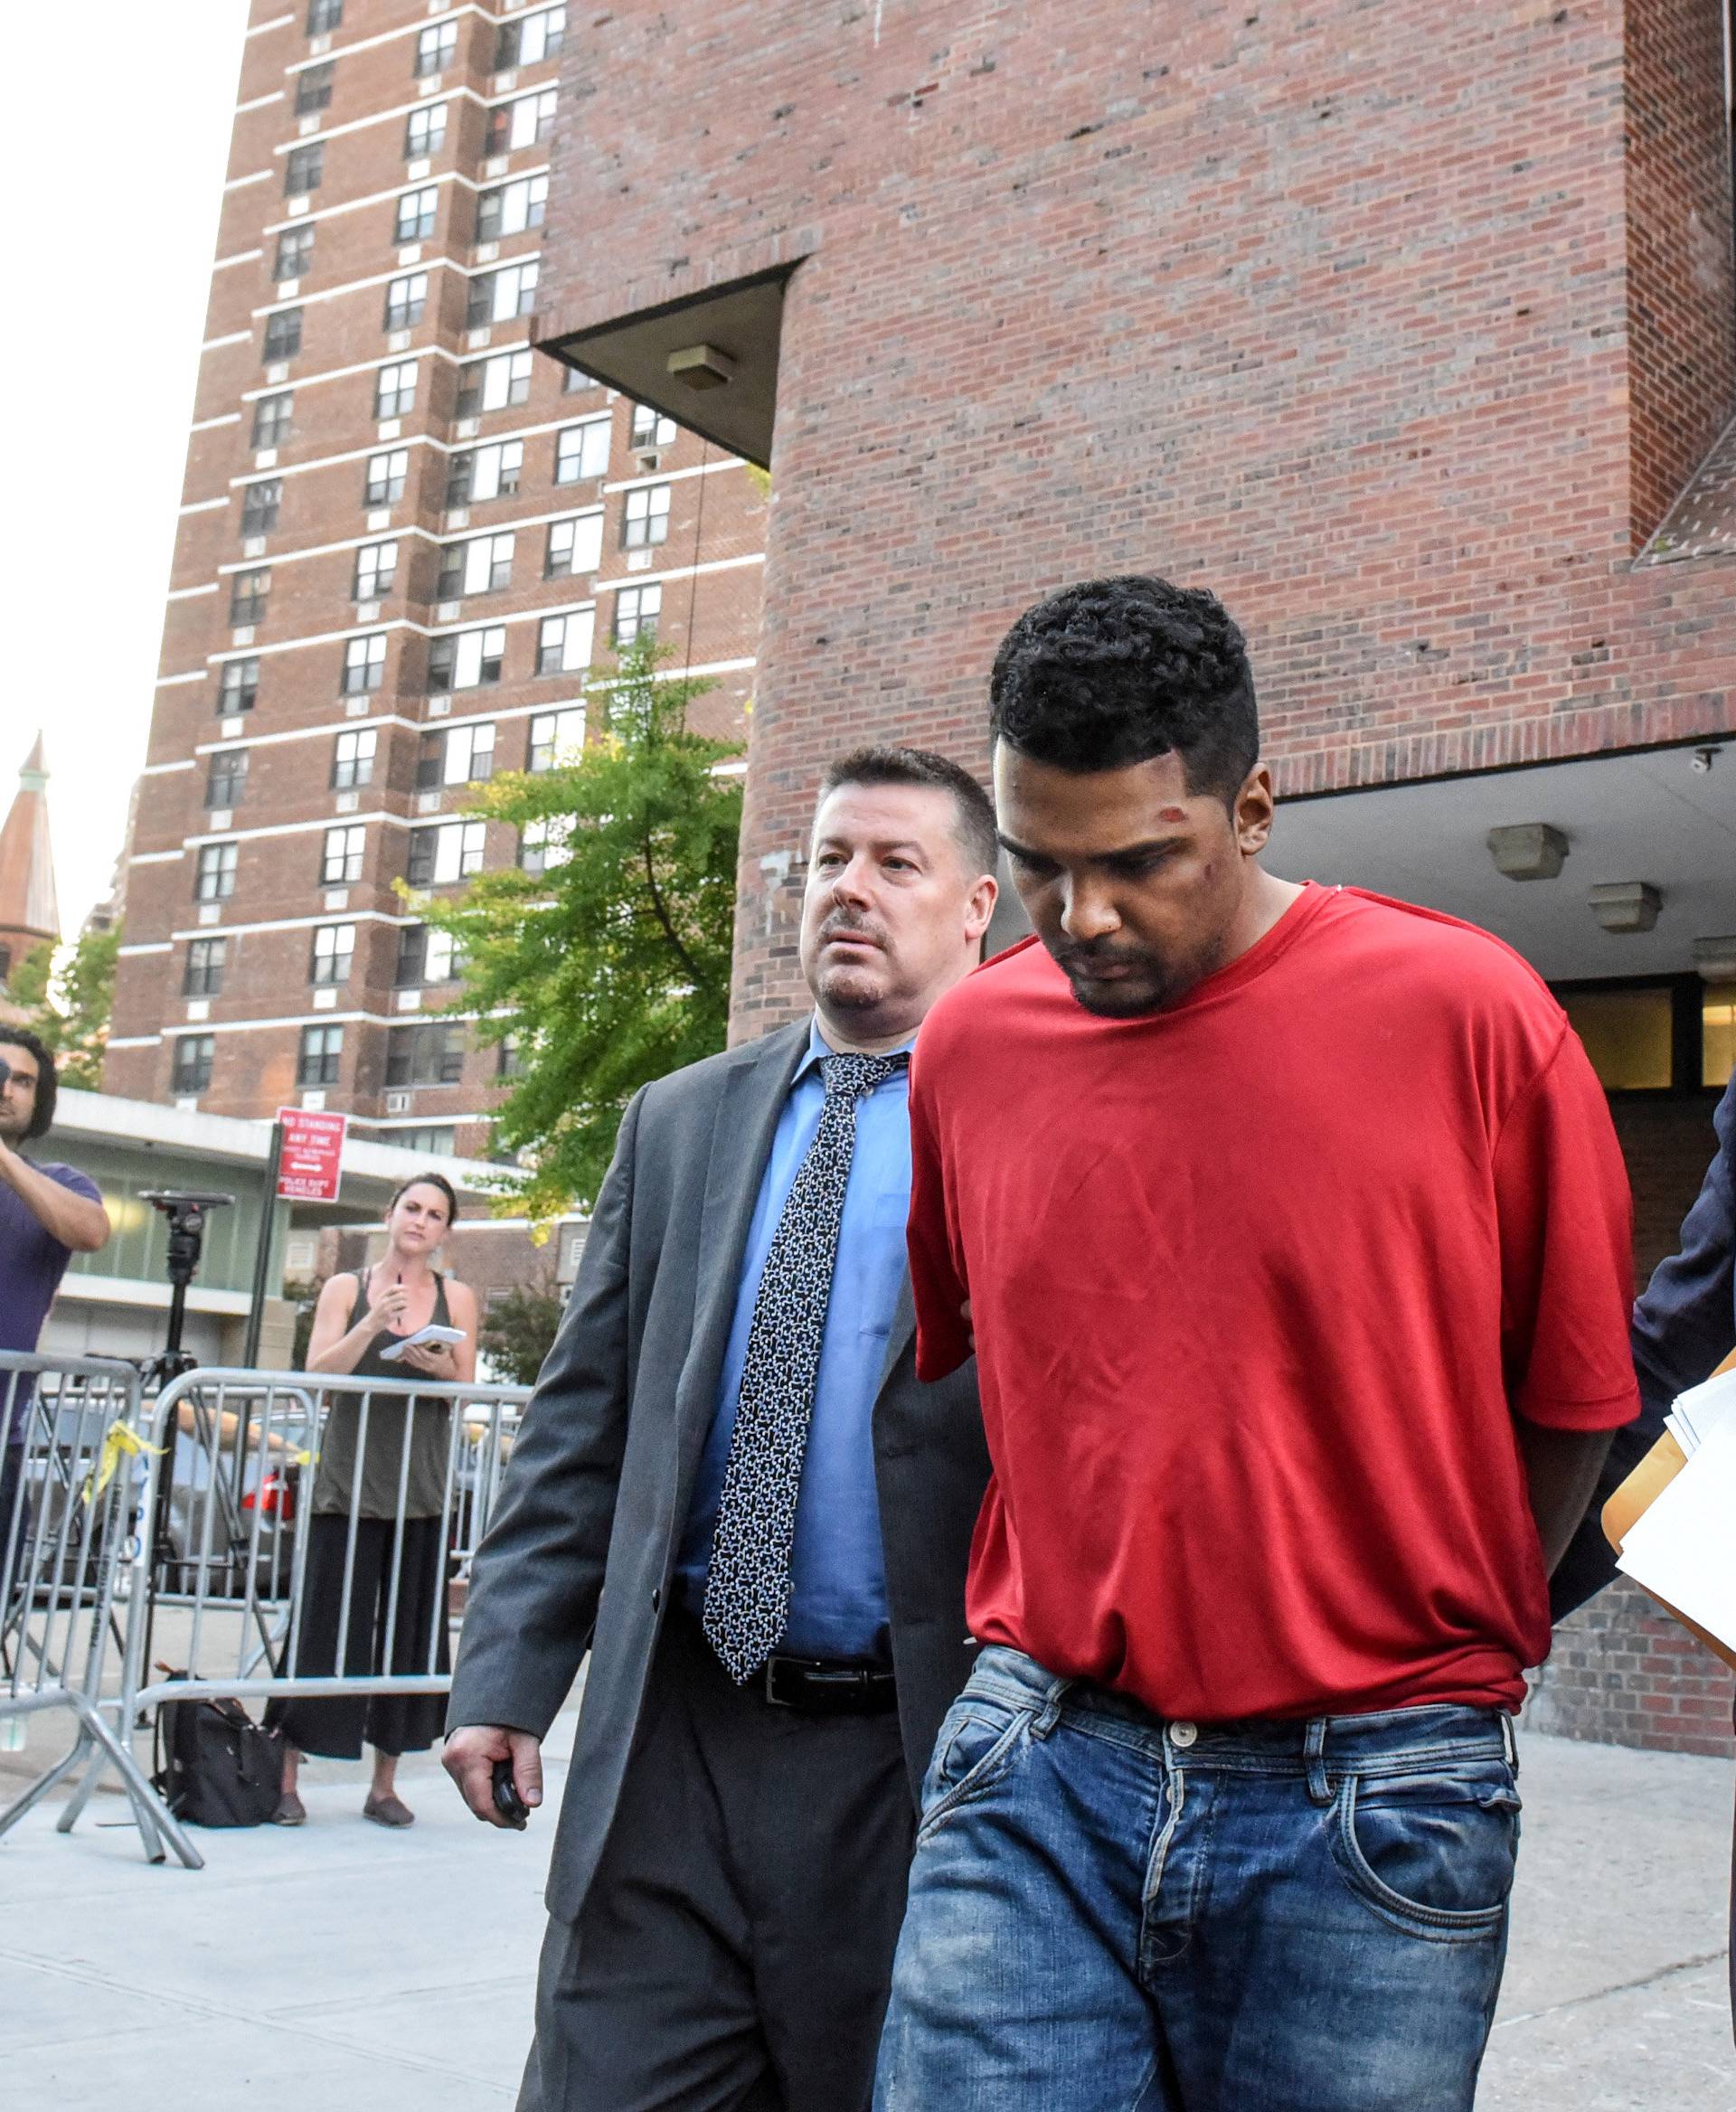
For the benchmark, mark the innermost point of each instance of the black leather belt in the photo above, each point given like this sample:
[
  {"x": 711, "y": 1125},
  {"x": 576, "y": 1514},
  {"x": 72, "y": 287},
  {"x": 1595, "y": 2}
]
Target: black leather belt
[{"x": 815, "y": 1687}]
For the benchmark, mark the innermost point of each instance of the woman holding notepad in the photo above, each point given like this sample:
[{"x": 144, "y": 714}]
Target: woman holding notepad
[{"x": 380, "y": 1451}]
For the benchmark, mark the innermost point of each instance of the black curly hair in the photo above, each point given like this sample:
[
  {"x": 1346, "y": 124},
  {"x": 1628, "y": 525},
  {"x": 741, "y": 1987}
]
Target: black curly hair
[
  {"x": 1114, "y": 672},
  {"x": 48, "y": 1084}
]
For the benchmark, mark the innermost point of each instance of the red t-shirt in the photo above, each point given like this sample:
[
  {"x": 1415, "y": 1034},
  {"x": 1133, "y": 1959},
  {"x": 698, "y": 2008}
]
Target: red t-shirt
[{"x": 1258, "y": 1284}]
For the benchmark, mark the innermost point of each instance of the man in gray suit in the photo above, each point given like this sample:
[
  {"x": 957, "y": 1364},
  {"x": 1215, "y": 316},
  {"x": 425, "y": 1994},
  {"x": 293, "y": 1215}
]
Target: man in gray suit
[{"x": 731, "y": 1489}]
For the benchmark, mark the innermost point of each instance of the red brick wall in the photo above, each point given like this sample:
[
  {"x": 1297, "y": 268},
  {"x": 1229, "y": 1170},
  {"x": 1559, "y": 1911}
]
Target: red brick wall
[
  {"x": 1330, "y": 311},
  {"x": 1624, "y": 1674}
]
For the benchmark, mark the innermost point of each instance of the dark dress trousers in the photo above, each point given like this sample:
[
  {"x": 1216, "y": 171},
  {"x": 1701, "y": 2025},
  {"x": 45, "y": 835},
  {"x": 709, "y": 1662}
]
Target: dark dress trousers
[{"x": 581, "y": 1555}]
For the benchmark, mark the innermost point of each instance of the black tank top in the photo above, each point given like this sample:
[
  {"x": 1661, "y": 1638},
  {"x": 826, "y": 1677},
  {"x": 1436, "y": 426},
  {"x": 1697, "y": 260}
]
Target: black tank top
[{"x": 394, "y": 1421}]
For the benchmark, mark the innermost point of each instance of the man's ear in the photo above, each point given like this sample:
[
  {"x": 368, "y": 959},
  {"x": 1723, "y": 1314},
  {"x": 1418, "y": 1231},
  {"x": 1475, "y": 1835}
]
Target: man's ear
[
  {"x": 979, "y": 907},
  {"x": 1251, "y": 816}
]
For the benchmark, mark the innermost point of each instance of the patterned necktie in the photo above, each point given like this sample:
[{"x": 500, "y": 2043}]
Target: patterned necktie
[{"x": 748, "y": 1585}]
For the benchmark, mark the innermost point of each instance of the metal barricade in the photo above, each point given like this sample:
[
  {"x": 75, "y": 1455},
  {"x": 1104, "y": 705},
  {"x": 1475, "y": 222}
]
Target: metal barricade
[
  {"x": 306, "y": 1537},
  {"x": 70, "y": 1563}
]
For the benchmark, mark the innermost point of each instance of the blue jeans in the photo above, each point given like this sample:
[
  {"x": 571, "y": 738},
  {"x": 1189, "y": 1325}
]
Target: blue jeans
[{"x": 1110, "y": 1913}]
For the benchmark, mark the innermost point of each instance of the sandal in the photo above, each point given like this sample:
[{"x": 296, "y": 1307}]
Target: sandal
[
  {"x": 388, "y": 1811},
  {"x": 290, "y": 1812}
]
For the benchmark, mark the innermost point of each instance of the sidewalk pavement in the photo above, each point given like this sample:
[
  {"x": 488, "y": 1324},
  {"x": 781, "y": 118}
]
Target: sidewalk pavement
[{"x": 366, "y": 1971}]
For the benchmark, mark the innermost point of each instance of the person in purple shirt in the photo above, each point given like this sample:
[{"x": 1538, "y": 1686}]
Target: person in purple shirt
[{"x": 48, "y": 1213}]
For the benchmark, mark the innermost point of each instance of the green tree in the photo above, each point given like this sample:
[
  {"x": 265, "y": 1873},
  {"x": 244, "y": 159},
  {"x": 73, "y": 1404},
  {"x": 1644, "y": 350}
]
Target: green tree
[
  {"x": 70, "y": 1007},
  {"x": 517, "y": 1331},
  {"x": 612, "y": 966}
]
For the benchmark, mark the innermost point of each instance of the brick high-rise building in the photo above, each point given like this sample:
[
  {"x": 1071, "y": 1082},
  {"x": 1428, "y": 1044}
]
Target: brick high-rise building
[
  {"x": 1411, "y": 332},
  {"x": 404, "y": 537}
]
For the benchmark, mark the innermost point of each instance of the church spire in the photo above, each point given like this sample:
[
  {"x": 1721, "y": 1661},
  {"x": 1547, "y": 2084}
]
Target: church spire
[{"x": 29, "y": 911}]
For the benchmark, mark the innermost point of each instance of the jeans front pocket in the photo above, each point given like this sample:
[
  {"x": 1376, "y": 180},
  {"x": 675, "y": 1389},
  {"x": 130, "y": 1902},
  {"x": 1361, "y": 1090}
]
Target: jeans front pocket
[
  {"x": 978, "y": 1743},
  {"x": 1433, "y": 1851}
]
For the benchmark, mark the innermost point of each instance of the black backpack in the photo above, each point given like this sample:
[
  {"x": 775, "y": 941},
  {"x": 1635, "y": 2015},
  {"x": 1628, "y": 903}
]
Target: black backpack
[{"x": 222, "y": 1768}]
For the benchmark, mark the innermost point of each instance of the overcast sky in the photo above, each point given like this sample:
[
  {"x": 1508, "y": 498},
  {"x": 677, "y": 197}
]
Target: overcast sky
[{"x": 114, "y": 226}]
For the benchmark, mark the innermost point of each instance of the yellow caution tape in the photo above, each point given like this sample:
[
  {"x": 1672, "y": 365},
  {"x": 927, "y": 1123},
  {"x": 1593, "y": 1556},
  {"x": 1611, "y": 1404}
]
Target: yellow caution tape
[{"x": 118, "y": 1438}]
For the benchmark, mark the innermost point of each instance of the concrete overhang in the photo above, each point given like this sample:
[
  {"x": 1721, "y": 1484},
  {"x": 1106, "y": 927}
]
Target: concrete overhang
[
  {"x": 205, "y": 1142},
  {"x": 1666, "y": 816},
  {"x": 742, "y": 320}
]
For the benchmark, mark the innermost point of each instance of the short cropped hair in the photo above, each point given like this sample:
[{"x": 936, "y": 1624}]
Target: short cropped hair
[
  {"x": 921, "y": 766},
  {"x": 1114, "y": 672},
  {"x": 48, "y": 1084}
]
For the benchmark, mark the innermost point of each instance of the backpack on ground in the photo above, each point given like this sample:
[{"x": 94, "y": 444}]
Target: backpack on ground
[{"x": 221, "y": 1768}]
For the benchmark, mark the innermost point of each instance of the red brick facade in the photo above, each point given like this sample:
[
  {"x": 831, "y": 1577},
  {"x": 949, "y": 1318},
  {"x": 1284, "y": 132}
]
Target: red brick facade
[{"x": 707, "y": 565}]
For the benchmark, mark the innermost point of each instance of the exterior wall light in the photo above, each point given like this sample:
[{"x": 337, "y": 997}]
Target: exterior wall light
[
  {"x": 1528, "y": 850},
  {"x": 701, "y": 366},
  {"x": 1715, "y": 959},
  {"x": 1627, "y": 905}
]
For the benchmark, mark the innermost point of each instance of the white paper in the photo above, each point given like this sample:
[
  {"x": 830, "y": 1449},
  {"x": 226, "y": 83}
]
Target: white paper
[
  {"x": 1684, "y": 1547},
  {"x": 392, "y": 1355},
  {"x": 1696, "y": 1414}
]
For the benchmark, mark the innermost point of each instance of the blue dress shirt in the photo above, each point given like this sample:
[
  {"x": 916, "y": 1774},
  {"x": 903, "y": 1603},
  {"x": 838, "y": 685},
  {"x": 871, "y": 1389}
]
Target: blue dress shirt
[{"x": 838, "y": 1602}]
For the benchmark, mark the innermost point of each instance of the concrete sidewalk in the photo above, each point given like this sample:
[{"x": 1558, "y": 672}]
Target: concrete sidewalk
[{"x": 364, "y": 1971}]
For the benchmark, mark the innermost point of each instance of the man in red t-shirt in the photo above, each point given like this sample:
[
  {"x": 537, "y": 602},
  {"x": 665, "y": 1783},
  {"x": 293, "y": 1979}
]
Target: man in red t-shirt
[{"x": 1294, "y": 1235}]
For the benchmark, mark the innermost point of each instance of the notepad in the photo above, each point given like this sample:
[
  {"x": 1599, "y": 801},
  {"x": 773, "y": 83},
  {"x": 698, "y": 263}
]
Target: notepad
[{"x": 392, "y": 1355}]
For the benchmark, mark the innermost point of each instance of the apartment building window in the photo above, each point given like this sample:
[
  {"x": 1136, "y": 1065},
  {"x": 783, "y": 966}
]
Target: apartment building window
[
  {"x": 417, "y": 211},
  {"x": 353, "y": 760},
  {"x": 556, "y": 738},
  {"x": 425, "y": 133},
  {"x": 582, "y": 451},
  {"x": 282, "y": 335},
  {"x": 334, "y": 950},
  {"x": 573, "y": 379},
  {"x": 341, "y": 859},
  {"x": 509, "y": 209},
  {"x": 238, "y": 687},
  {"x": 324, "y": 17},
  {"x": 364, "y": 664},
  {"x": 467, "y": 659},
  {"x": 434, "y": 1140},
  {"x": 214, "y": 877},
  {"x": 304, "y": 169},
  {"x": 394, "y": 390},
  {"x": 459, "y": 755},
  {"x": 564, "y": 642},
  {"x": 314, "y": 89},
  {"x": 226, "y": 780},
  {"x": 295, "y": 253},
  {"x": 376, "y": 569},
  {"x": 645, "y": 518},
  {"x": 320, "y": 1056},
  {"x": 542, "y": 846},
  {"x": 247, "y": 594},
  {"x": 529, "y": 41},
  {"x": 575, "y": 545},
  {"x": 260, "y": 502},
  {"x": 432, "y": 1053},
  {"x": 510, "y": 1061},
  {"x": 450, "y": 851},
  {"x": 651, "y": 428},
  {"x": 193, "y": 1055},
  {"x": 496, "y": 383},
  {"x": 385, "y": 479},
  {"x": 637, "y": 609},
  {"x": 425, "y": 956},
  {"x": 500, "y": 297},
  {"x": 204, "y": 977},
  {"x": 483, "y": 565},
  {"x": 484, "y": 473},
  {"x": 434, "y": 49},
  {"x": 405, "y": 300},
  {"x": 272, "y": 417},
  {"x": 521, "y": 122}
]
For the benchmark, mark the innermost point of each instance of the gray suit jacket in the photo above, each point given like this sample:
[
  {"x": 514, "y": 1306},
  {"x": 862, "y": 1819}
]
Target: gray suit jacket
[{"x": 583, "y": 1548}]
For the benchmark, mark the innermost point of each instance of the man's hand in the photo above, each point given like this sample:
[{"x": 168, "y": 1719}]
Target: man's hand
[{"x": 469, "y": 1758}]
